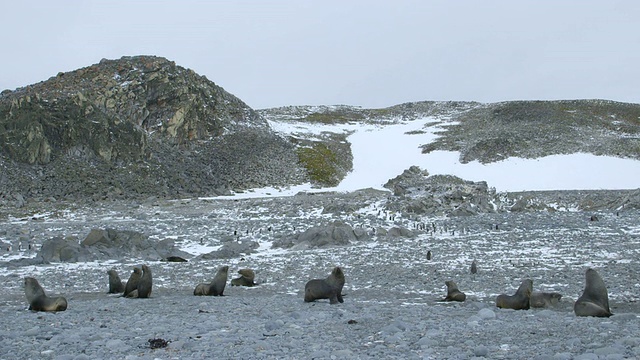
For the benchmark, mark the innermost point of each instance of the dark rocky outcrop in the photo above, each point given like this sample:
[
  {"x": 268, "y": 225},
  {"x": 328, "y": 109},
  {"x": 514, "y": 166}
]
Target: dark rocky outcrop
[
  {"x": 136, "y": 127},
  {"x": 417, "y": 193},
  {"x": 412, "y": 179},
  {"x": 334, "y": 234},
  {"x": 103, "y": 244},
  {"x": 59, "y": 249}
]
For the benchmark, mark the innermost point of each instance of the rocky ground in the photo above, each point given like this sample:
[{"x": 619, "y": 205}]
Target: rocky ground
[{"x": 391, "y": 307}]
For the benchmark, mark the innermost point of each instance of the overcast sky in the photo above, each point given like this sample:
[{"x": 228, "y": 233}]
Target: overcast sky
[{"x": 367, "y": 53}]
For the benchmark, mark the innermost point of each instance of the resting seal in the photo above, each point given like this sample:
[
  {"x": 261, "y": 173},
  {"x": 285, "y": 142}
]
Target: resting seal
[
  {"x": 132, "y": 283},
  {"x": 246, "y": 278},
  {"x": 595, "y": 299},
  {"x": 115, "y": 284},
  {"x": 38, "y": 300},
  {"x": 329, "y": 288},
  {"x": 453, "y": 294},
  {"x": 518, "y": 301},
  {"x": 145, "y": 283},
  {"x": 215, "y": 287},
  {"x": 541, "y": 299},
  {"x": 174, "y": 259}
]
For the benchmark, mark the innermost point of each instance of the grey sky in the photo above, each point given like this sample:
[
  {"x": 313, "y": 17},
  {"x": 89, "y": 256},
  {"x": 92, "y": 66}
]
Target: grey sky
[{"x": 366, "y": 53}]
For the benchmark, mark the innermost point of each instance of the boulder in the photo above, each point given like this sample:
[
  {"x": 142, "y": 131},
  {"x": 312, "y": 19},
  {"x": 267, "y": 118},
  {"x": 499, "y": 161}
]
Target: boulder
[
  {"x": 400, "y": 231},
  {"x": 336, "y": 233},
  {"x": 106, "y": 244},
  {"x": 231, "y": 250},
  {"x": 59, "y": 249}
]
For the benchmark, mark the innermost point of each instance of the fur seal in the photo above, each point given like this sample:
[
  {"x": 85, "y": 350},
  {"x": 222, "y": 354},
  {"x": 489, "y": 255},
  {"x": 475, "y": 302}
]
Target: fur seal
[
  {"x": 145, "y": 283},
  {"x": 201, "y": 289},
  {"x": 132, "y": 283},
  {"x": 540, "y": 299},
  {"x": 174, "y": 259},
  {"x": 115, "y": 284},
  {"x": 594, "y": 300},
  {"x": 246, "y": 278},
  {"x": 38, "y": 300},
  {"x": 474, "y": 267},
  {"x": 453, "y": 294},
  {"x": 329, "y": 288},
  {"x": 518, "y": 301},
  {"x": 215, "y": 287}
]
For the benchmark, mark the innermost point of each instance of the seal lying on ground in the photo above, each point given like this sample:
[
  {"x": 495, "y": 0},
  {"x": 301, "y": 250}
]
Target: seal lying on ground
[
  {"x": 215, "y": 287},
  {"x": 518, "y": 301},
  {"x": 453, "y": 294},
  {"x": 594, "y": 300},
  {"x": 174, "y": 259},
  {"x": 115, "y": 284},
  {"x": 132, "y": 283},
  {"x": 246, "y": 278},
  {"x": 145, "y": 283},
  {"x": 540, "y": 299},
  {"x": 329, "y": 288},
  {"x": 38, "y": 300}
]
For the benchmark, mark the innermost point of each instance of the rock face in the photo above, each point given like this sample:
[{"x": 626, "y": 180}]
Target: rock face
[{"x": 122, "y": 122}]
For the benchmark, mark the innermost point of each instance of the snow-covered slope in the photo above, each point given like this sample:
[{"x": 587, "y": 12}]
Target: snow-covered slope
[{"x": 381, "y": 152}]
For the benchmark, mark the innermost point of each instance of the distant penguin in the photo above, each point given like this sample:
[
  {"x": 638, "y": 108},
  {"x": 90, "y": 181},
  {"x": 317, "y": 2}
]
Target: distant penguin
[
  {"x": 429, "y": 255},
  {"x": 474, "y": 267}
]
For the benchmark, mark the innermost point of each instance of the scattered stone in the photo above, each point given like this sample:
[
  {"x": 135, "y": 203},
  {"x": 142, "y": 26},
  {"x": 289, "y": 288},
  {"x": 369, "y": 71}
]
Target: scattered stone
[{"x": 158, "y": 343}]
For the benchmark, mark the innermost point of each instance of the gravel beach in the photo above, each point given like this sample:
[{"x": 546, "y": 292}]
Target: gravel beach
[{"x": 392, "y": 306}]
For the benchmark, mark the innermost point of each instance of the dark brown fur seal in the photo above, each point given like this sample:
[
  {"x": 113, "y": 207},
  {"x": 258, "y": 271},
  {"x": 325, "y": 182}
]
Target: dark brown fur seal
[
  {"x": 540, "y": 299},
  {"x": 594, "y": 300},
  {"x": 145, "y": 283},
  {"x": 215, "y": 287},
  {"x": 132, "y": 283},
  {"x": 453, "y": 294},
  {"x": 38, "y": 300},
  {"x": 174, "y": 259},
  {"x": 518, "y": 301},
  {"x": 246, "y": 278},
  {"x": 329, "y": 288},
  {"x": 115, "y": 284}
]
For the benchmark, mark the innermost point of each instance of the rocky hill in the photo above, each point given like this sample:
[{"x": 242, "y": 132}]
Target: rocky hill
[
  {"x": 532, "y": 129},
  {"x": 136, "y": 127},
  {"x": 494, "y": 132},
  {"x": 142, "y": 126},
  {"x": 482, "y": 132}
]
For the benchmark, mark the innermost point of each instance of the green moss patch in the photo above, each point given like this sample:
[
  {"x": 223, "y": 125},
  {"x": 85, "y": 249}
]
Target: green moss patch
[{"x": 321, "y": 164}]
